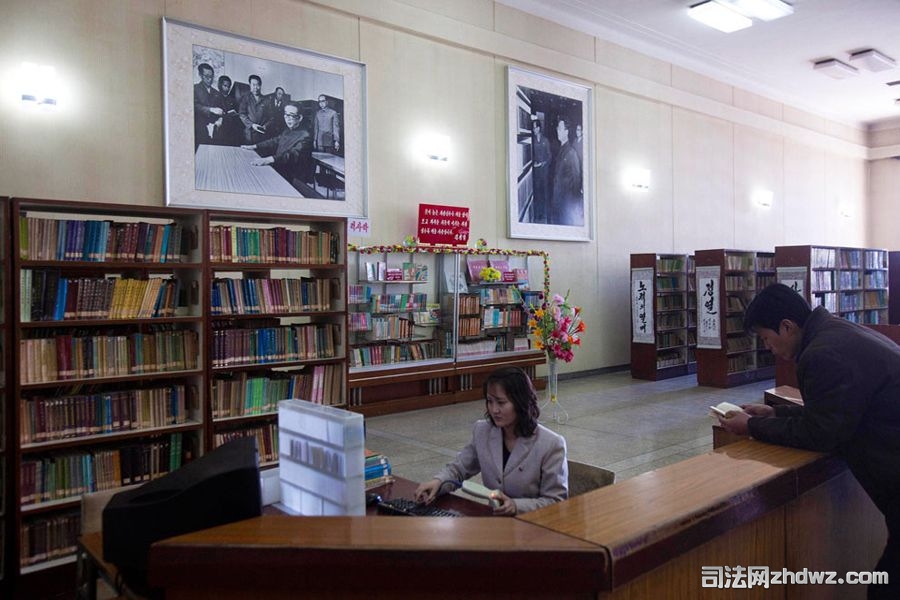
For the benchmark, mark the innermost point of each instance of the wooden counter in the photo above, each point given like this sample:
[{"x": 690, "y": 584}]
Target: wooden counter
[{"x": 747, "y": 503}]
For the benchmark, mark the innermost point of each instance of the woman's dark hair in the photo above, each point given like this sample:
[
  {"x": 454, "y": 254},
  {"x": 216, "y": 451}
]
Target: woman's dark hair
[
  {"x": 774, "y": 304},
  {"x": 520, "y": 391}
]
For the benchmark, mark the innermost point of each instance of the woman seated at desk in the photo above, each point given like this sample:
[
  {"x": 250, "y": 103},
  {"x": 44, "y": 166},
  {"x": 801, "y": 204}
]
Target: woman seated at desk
[{"x": 521, "y": 459}]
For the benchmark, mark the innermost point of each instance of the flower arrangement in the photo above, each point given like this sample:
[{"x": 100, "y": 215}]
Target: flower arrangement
[
  {"x": 489, "y": 274},
  {"x": 556, "y": 326}
]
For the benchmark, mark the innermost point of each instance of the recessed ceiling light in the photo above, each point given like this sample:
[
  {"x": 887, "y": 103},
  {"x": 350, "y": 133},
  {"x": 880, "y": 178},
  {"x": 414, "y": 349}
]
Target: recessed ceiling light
[
  {"x": 718, "y": 16},
  {"x": 873, "y": 60},
  {"x": 835, "y": 68},
  {"x": 764, "y": 10}
]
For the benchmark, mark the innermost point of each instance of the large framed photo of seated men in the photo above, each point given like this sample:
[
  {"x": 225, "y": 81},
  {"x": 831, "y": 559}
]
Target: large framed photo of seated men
[
  {"x": 258, "y": 126},
  {"x": 550, "y": 150}
]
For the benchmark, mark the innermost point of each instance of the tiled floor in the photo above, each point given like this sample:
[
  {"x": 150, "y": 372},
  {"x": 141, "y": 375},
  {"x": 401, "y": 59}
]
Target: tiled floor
[{"x": 626, "y": 425}]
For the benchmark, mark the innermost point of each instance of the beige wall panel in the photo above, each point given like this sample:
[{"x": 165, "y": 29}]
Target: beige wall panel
[
  {"x": 758, "y": 164},
  {"x": 474, "y": 12},
  {"x": 802, "y": 118},
  {"x": 703, "y": 181},
  {"x": 628, "y": 61},
  {"x": 758, "y": 104},
  {"x": 804, "y": 195},
  {"x": 306, "y": 26},
  {"x": 849, "y": 133},
  {"x": 631, "y": 132},
  {"x": 695, "y": 83},
  {"x": 883, "y": 137},
  {"x": 522, "y": 26},
  {"x": 845, "y": 189},
  {"x": 417, "y": 87},
  {"x": 884, "y": 199}
]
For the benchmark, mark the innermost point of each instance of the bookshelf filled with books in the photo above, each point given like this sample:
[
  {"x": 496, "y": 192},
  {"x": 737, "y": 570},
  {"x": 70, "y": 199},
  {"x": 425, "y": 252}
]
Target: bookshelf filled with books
[
  {"x": 277, "y": 320},
  {"x": 426, "y": 327},
  {"x": 107, "y": 332},
  {"x": 663, "y": 316},
  {"x": 726, "y": 282}
]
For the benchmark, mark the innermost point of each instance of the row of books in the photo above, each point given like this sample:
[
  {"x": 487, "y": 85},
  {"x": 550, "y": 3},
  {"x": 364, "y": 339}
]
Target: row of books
[
  {"x": 407, "y": 272},
  {"x": 44, "y": 539},
  {"x": 384, "y": 354},
  {"x": 469, "y": 326},
  {"x": 398, "y": 302},
  {"x": 235, "y": 347},
  {"x": 359, "y": 294},
  {"x": 390, "y": 327},
  {"x": 47, "y": 296},
  {"x": 502, "y": 317},
  {"x": 500, "y": 295},
  {"x": 243, "y": 394},
  {"x": 508, "y": 274},
  {"x": 103, "y": 241},
  {"x": 65, "y": 357},
  {"x": 237, "y": 244},
  {"x": 493, "y": 345},
  {"x": 272, "y": 296},
  {"x": 266, "y": 439},
  {"x": 45, "y": 419},
  {"x": 63, "y": 476},
  {"x": 378, "y": 469},
  {"x": 469, "y": 304}
]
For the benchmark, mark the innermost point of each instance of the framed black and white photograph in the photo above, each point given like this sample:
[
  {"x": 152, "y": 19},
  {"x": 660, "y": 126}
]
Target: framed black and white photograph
[
  {"x": 550, "y": 157},
  {"x": 258, "y": 126}
]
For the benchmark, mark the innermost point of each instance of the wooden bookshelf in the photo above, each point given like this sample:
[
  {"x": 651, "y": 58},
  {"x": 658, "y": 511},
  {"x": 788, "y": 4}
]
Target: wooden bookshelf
[
  {"x": 663, "y": 316},
  {"x": 467, "y": 329},
  {"x": 727, "y": 280},
  {"x": 276, "y": 320},
  {"x": 107, "y": 332}
]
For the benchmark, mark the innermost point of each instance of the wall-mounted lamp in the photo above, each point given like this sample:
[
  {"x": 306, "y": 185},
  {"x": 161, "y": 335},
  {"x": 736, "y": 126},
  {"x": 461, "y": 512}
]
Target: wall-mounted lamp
[
  {"x": 763, "y": 198},
  {"x": 39, "y": 85},
  {"x": 636, "y": 178},
  {"x": 436, "y": 146}
]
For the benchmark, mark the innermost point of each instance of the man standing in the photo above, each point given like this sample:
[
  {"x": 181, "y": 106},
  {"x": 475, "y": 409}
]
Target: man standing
[
  {"x": 276, "y": 124},
  {"x": 254, "y": 111},
  {"x": 207, "y": 106},
  {"x": 291, "y": 152},
  {"x": 567, "y": 207},
  {"x": 849, "y": 378},
  {"x": 541, "y": 157},
  {"x": 327, "y": 131}
]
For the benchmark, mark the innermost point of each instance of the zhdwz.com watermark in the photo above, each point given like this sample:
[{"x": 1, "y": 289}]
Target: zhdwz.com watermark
[{"x": 750, "y": 577}]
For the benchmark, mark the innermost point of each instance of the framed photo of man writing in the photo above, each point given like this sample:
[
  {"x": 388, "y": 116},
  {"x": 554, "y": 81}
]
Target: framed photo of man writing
[
  {"x": 258, "y": 126},
  {"x": 550, "y": 150}
]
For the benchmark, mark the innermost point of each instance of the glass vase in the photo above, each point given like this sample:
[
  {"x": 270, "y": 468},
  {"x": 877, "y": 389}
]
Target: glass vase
[{"x": 551, "y": 408}]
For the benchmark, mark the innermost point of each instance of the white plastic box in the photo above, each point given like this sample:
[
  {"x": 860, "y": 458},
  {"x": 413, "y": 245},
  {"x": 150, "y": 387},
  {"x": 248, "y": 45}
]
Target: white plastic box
[{"x": 321, "y": 456}]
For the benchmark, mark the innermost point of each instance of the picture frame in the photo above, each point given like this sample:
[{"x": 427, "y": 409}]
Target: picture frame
[
  {"x": 231, "y": 142},
  {"x": 551, "y": 181}
]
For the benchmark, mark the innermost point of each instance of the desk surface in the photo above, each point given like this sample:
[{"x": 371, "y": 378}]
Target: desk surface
[
  {"x": 332, "y": 161},
  {"x": 228, "y": 169}
]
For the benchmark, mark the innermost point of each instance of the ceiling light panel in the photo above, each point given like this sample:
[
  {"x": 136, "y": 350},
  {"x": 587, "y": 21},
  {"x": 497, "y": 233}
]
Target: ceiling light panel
[
  {"x": 719, "y": 16},
  {"x": 835, "y": 69},
  {"x": 872, "y": 60},
  {"x": 764, "y": 10}
]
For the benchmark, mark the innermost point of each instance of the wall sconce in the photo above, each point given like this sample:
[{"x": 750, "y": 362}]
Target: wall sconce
[
  {"x": 39, "y": 85},
  {"x": 436, "y": 146},
  {"x": 636, "y": 178},
  {"x": 763, "y": 198}
]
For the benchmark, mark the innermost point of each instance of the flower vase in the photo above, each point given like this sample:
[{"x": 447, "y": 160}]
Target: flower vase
[{"x": 551, "y": 405}]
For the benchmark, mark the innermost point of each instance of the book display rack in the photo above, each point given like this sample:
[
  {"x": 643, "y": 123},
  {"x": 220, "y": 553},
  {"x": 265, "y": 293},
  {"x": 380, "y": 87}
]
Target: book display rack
[
  {"x": 726, "y": 281},
  {"x": 277, "y": 317},
  {"x": 425, "y": 328},
  {"x": 664, "y": 316},
  {"x": 108, "y": 349}
]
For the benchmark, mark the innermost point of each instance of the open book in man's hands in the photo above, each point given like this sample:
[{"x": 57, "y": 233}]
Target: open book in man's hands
[{"x": 723, "y": 408}]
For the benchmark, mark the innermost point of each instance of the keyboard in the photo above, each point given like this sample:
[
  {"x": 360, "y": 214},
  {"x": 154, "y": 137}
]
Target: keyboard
[{"x": 409, "y": 508}]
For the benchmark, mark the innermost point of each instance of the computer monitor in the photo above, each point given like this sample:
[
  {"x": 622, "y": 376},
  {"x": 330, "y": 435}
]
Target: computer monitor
[{"x": 220, "y": 487}]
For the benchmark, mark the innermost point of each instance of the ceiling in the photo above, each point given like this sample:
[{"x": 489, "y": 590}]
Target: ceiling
[{"x": 773, "y": 59}]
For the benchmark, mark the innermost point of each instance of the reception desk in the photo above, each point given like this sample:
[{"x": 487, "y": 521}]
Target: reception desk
[{"x": 745, "y": 504}]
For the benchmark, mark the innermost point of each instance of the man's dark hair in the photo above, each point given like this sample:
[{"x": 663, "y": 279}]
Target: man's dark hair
[
  {"x": 520, "y": 391},
  {"x": 256, "y": 77},
  {"x": 537, "y": 123},
  {"x": 204, "y": 67},
  {"x": 774, "y": 304},
  {"x": 225, "y": 78}
]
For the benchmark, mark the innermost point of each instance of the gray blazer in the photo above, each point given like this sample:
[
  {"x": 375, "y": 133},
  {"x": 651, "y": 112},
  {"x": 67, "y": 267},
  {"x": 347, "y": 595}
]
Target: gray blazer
[{"x": 536, "y": 473}]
